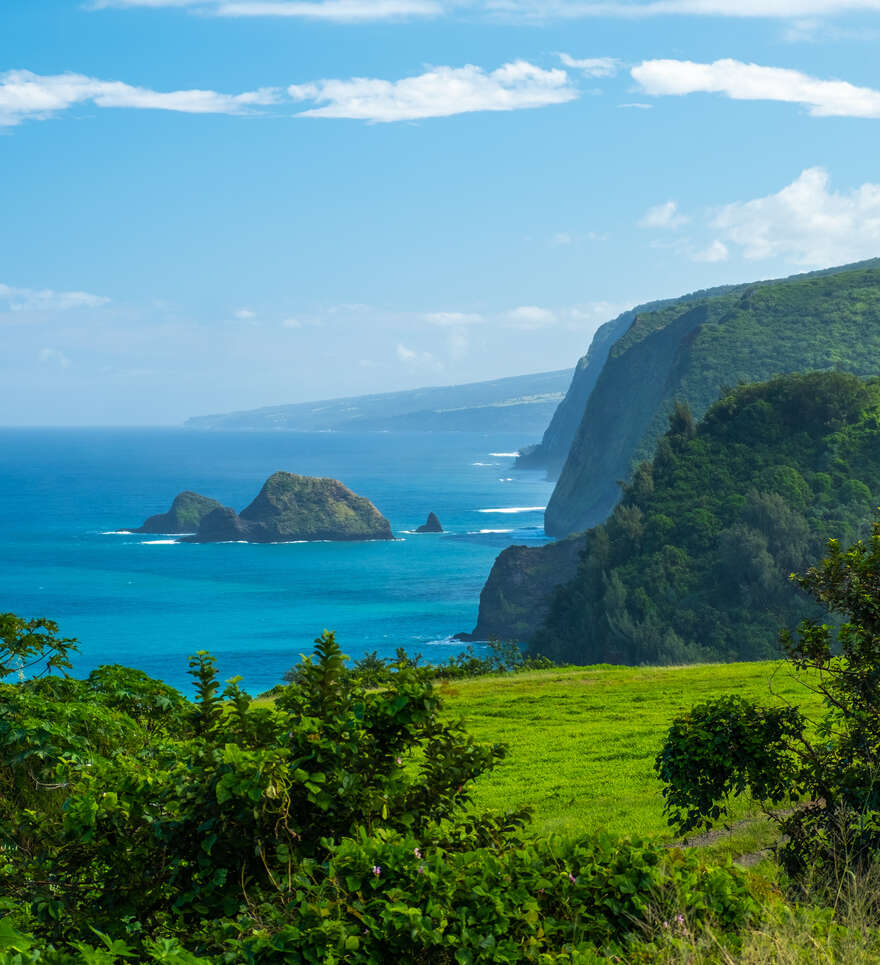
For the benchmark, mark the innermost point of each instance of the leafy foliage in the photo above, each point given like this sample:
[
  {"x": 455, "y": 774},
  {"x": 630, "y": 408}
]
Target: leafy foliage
[
  {"x": 501, "y": 657},
  {"x": 731, "y": 747},
  {"x": 693, "y": 563},
  {"x": 330, "y": 827}
]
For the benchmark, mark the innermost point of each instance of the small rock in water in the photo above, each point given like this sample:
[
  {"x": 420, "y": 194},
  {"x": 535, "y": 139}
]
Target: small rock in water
[{"x": 432, "y": 525}]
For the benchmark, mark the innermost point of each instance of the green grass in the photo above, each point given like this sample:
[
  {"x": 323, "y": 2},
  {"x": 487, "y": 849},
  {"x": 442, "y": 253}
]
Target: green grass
[{"x": 582, "y": 740}]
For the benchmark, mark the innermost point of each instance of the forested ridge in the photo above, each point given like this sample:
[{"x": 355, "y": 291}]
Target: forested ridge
[
  {"x": 693, "y": 563},
  {"x": 688, "y": 351}
]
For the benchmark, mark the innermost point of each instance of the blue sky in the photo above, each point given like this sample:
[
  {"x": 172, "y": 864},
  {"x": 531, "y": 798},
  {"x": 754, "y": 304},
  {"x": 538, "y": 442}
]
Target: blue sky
[{"x": 211, "y": 205}]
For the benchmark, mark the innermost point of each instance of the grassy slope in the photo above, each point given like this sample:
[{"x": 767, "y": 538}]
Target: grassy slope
[{"x": 582, "y": 741}]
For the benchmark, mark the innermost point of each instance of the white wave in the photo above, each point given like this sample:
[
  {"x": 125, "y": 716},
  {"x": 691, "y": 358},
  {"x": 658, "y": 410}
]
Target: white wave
[
  {"x": 495, "y": 531},
  {"x": 158, "y": 542},
  {"x": 484, "y": 464},
  {"x": 505, "y": 479},
  {"x": 504, "y": 455},
  {"x": 449, "y": 641},
  {"x": 117, "y": 532},
  {"x": 509, "y": 510}
]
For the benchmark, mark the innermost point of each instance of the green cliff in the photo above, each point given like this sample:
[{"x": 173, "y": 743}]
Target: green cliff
[
  {"x": 185, "y": 516},
  {"x": 290, "y": 508},
  {"x": 552, "y": 452},
  {"x": 693, "y": 563},
  {"x": 689, "y": 350}
]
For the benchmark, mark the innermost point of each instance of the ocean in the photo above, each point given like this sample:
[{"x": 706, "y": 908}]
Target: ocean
[{"x": 150, "y": 602}]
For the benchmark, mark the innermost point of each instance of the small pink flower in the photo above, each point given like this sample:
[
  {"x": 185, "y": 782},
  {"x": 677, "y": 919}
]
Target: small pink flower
[
  {"x": 571, "y": 878},
  {"x": 377, "y": 870},
  {"x": 400, "y": 761},
  {"x": 421, "y": 869},
  {"x": 417, "y": 853}
]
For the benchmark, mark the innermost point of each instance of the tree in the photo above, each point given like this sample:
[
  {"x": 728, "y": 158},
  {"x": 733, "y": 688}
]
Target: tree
[
  {"x": 831, "y": 773},
  {"x": 29, "y": 647}
]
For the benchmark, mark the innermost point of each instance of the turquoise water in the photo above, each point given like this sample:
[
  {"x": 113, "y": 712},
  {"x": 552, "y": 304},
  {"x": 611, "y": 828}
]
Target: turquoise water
[{"x": 149, "y": 602}]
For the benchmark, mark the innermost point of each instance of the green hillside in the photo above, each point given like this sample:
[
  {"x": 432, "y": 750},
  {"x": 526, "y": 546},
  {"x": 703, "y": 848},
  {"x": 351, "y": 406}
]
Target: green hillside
[
  {"x": 689, "y": 351},
  {"x": 582, "y": 741},
  {"x": 693, "y": 563}
]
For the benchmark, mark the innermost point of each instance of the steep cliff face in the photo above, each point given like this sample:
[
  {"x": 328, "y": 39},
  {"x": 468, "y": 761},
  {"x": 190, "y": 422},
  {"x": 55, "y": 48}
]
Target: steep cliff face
[
  {"x": 688, "y": 352},
  {"x": 185, "y": 515},
  {"x": 291, "y": 507},
  {"x": 552, "y": 452},
  {"x": 516, "y": 597}
]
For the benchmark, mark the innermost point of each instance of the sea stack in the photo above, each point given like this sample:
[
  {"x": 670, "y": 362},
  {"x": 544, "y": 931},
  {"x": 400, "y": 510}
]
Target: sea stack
[
  {"x": 291, "y": 508},
  {"x": 185, "y": 516},
  {"x": 431, "y": 525}
]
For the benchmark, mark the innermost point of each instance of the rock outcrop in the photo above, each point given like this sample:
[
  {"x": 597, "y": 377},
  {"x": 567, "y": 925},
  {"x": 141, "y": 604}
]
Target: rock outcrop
[
  {"x": 516, "y": 597},
  {"x": 431, "y": 525},
  {"x": 291, "y": 508},
  {"x": 185, "y": 516}
]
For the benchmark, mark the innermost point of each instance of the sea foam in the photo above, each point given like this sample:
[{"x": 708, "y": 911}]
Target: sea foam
[{"x": 509, "y": 510}]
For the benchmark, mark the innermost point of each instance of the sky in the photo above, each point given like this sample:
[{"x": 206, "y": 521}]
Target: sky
[{"x": 215, "y": 205}]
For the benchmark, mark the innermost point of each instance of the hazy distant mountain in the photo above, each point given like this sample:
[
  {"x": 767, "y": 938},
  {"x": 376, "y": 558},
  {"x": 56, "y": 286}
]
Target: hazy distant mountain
[{"x": 523, "y": 403}]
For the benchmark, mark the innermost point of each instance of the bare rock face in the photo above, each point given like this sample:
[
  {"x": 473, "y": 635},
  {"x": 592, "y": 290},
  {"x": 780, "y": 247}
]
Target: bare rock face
[
  {"x": 185, "y": 516},
  {"x": 517, "y": 594},
  {"x": 290, "y": 508},
  {"x": 431, "y": 525}
]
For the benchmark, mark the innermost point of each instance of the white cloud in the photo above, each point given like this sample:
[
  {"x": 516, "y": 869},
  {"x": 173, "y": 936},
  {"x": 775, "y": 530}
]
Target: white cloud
[
  {"x": 592, "y": 66},
  {"x": 291, "y": 323},
  {"x": 245, "y": 314},
  {"x": 806, "y": 223},
  {"x": 440, "y": 92},
  {"x": 24, "y": 94},
  {"x": 664, "y": 215},
  {"x": 339, "y": 11},
  {"x": 740, "y": 81},
  {"x": 453, "y": 319},
  {"x": 52, "y": 356},
  {"x": 530, "y": 317},
  {"x": 715, "y": 252},
  {"x": 348, "y": 11},
  {"x": 411, "y": 356},
  {"x": 637, "y": 106},
  {"x": 46, "y": 300},
  {"x": 634, "y": 9}
]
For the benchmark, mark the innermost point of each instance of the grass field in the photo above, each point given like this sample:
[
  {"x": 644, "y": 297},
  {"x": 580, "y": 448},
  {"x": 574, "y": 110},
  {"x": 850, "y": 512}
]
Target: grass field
[{"x": 582, "y": 740}]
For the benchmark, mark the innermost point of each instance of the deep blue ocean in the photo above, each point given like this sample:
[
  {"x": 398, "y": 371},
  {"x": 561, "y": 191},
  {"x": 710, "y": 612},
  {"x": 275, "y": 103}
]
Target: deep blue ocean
[{"x": 149, "y": 602}]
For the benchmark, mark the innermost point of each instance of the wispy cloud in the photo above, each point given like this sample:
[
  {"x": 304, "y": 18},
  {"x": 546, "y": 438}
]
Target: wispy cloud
[
  {"x": 338, "y": 11},
  {"x": 24, "y": 94},
  {"x": 440, "y": 92},
  {"x": 530, "y": 317},
  {"x": 52, "y": 356},
  {"x": 664, "y": 215},
  {"x": 712, "y": 253},
  {"x": 634, "y": 9},
  {"x": 592, "y": 66},
  {"x": 453, "y": 319},
  {"x": 741, "y": 81},
  {"x": 353, "y": 11},
  {"x": 46, "y": 300}
]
